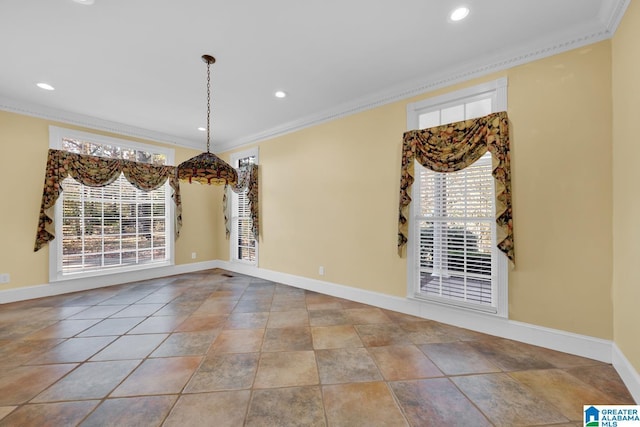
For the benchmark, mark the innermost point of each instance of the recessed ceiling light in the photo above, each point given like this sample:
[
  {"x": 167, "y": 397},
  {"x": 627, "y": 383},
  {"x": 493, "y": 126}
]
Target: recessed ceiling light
[
  {"x": 459, "y": 14},
  {"x": 280, "y": 94},
  {"x": 201, "y": 129},
  {"x": 85, "y": 2},
  {"x": 45, "y": 86}
]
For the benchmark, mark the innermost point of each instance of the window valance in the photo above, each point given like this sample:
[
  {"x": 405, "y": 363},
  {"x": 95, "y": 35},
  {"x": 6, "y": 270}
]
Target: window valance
[
  {"x": 452, "y": 147},
  {"x": 96, "y": 171},
  {"x": 247, "y": 180}
]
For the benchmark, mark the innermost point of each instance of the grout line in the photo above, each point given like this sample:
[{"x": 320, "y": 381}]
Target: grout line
[{"x": 251, "y": 297}]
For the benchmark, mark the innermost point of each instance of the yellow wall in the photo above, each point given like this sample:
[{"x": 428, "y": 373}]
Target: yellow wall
[
  {"x": 330, "y": 199},
  {"x": 24, "y": 142},
  {"x": 330, "y": 195},
  {"x": 560, "y": 108},
  {"x": 201, "y": 214},
  {"x": 626, "y": 177}
]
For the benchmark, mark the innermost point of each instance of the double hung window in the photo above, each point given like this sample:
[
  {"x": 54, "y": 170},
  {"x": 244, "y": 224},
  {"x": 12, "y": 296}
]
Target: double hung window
[
  {"x": 244, "y": 247},
  {"x": 452, "y": 253},
  {"x": 112, "y": 228}
]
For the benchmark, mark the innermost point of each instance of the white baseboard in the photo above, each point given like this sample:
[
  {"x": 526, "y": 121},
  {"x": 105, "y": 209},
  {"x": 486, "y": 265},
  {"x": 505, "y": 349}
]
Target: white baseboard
[
  {"x": 582, "y": 345},
  {"x": 567, "y": 342},
  {"x": 83, "y": 284},
  {"x": 626, "y": 371}
]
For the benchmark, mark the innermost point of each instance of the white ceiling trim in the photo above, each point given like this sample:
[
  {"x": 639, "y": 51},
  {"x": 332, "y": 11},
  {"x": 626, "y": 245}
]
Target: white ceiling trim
[
  {"x": 610, "y": 17},
  {"x": 429, "y": 84},
  {"x": 62, "y": 116},
  {"x": 611, "y": 14}
]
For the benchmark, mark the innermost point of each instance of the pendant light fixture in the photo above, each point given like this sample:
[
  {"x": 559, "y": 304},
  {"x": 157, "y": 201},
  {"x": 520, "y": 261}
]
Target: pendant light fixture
[{"x": 207, "y": 168}]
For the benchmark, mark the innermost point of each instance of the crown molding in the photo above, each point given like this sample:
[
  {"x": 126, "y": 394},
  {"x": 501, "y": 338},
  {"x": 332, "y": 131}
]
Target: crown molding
[
  {"x": 609, "y": 17},
  {"x": 62, "y": 116},
  {"x": 611, "y": 14}
]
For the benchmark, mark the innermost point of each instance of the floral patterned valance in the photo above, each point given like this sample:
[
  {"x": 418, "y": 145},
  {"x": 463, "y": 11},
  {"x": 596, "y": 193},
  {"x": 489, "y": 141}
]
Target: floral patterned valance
[
  {"x": 247, "y": 181},
  {"x": 98, "y": 172},
  {"x": 452, "y": 147}
]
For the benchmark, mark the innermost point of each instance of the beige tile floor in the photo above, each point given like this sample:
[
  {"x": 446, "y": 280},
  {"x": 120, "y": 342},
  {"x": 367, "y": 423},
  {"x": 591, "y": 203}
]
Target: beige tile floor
[{"x": 206, "y": 349}]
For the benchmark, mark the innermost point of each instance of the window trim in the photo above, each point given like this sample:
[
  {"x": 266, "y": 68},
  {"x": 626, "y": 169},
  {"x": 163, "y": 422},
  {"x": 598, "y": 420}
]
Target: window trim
[
  {"x": 234, "y": 158},
  {"x": 56, "y": 135},
  {"x": 497, "y": 89}
]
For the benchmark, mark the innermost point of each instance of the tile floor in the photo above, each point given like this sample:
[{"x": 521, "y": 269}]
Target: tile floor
[{"x": 206, "y": 349}]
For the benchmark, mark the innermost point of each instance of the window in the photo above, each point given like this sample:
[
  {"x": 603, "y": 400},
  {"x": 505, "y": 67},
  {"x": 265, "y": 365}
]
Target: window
[
  {"x": 244, "y": 246},
  {"x": 112, "y": 228},
  {"x": 452, "y": 253}
]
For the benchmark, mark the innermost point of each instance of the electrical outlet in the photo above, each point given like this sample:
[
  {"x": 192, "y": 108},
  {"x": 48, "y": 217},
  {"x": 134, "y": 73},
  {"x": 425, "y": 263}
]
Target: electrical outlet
[
  {"x": 321, "y": 270},
  {"x": 5, "y": 278},
  {"x": 193, "y": 255}
]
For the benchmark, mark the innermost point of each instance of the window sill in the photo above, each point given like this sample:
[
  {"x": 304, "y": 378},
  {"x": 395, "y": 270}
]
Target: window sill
[
  {"x": 454, "y": 305},
  {"x": 70, "y": 277},
  {"x": 243, "y": 262}
]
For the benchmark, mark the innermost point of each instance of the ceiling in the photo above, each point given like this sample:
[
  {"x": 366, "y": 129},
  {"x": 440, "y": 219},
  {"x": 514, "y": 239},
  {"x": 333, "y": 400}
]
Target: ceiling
[{"x": 134, "y": 66}]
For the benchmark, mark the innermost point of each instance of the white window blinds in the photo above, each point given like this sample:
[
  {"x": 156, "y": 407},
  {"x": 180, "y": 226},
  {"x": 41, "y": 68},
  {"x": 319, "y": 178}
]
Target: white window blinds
[
  {"x": 456, "y": 227},
  {"x": 244, "y": 244},
  {"x": 115, "y": 226}
]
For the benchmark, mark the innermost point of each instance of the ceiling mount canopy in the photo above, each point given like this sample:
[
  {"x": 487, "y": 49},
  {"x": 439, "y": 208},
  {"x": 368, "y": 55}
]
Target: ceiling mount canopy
[{"x": 207, "y": 168}]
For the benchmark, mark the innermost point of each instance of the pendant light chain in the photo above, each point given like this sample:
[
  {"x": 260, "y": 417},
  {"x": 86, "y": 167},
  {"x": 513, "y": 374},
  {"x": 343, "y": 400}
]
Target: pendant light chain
[
  {"x": 207, "y": 168},
  {"x": 208, "y": 103}
]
